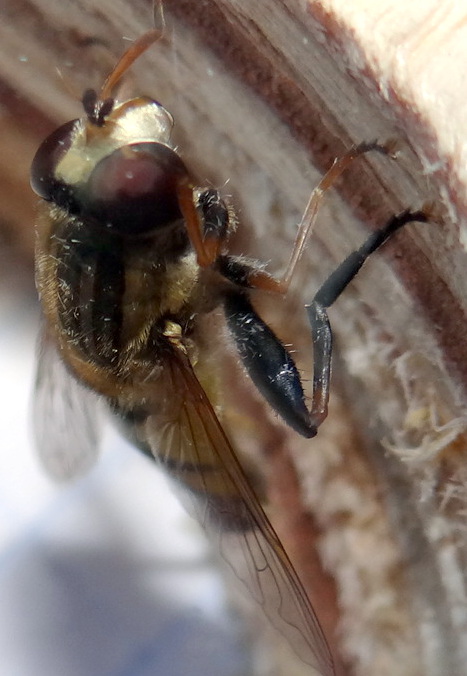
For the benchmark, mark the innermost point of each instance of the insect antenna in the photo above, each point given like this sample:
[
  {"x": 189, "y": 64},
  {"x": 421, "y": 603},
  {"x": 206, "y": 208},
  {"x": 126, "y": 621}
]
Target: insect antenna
[
  {"x": 128, "y": 58},
  {"x": 95, "y": 108},
  {"x": 98, "y": 106}
]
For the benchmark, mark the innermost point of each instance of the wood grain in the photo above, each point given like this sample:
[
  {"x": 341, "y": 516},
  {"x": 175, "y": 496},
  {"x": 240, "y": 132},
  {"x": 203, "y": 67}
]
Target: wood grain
[{"x": 264, "y": 96}]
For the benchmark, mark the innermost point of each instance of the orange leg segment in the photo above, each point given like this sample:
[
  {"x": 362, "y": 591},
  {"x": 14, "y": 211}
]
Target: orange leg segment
[{"x": 206, "y": 245}]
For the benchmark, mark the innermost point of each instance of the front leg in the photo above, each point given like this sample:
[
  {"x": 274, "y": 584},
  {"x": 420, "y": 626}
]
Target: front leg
[
  {"x": 208, "y": 221},
  {"x": 267, "y": 361},
  {"x": 325, "y": 297},
  {"x": 270, "y": 366}
]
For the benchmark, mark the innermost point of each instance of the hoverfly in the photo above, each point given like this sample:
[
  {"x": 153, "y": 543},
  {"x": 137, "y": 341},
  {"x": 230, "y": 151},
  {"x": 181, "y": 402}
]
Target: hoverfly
[{"x": 131, "y": 260}]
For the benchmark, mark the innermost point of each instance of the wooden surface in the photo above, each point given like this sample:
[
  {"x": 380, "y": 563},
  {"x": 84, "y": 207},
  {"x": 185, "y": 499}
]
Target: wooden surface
[{"x": 264, "y": 96}]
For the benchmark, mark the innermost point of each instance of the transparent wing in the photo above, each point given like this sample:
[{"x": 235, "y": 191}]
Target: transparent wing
[
  {"x": 66, "y": 423},
  {"x": 192, "y": 446}
]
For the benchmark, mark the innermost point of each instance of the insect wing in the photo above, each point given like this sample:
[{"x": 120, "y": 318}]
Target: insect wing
[
  {"x": 194, "y": 449},
  {"x": 65, "y": 417}
]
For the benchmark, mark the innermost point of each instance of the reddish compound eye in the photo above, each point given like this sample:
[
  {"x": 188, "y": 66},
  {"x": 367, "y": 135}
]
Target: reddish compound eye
[
  {"x": 134, "y": 190},
  {"x": 130, "y": 192}
]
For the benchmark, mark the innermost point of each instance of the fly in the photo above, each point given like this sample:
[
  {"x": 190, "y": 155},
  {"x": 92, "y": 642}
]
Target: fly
[{"x": 132, "y": 258}]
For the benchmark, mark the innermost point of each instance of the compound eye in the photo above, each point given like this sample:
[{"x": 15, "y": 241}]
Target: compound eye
[
  {"x": 134, "y": 189},
  {"x": 44, "y": 165}
]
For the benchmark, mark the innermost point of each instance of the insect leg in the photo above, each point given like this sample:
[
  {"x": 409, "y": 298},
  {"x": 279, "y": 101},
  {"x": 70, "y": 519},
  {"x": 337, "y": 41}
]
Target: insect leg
[
  {"x": 329, "y": 179},
  {"x": 207, "y": 221},
  {"x": 134, "y": 52},
  {"x": 268, "y": 363},
  {"x": 215, "y": 214},
  {"x": 261, "y": 279},
  {"x": 325, "y": 297}
]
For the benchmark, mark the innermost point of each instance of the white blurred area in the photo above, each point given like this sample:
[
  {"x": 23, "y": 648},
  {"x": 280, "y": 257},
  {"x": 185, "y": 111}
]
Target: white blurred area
[{"x": 105, "y": 576}]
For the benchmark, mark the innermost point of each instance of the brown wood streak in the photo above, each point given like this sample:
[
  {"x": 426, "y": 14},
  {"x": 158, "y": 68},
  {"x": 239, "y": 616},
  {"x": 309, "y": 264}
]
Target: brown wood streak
[
  {"x": 300, "y": 535},
  {"x": 247, "y": 56},
  {"x": 256, "y": 64},
  {"x": 18, "y": 145}
]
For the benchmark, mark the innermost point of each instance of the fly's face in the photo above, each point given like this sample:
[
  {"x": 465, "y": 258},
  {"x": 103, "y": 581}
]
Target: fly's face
[{"x": 119, "y": 174}]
